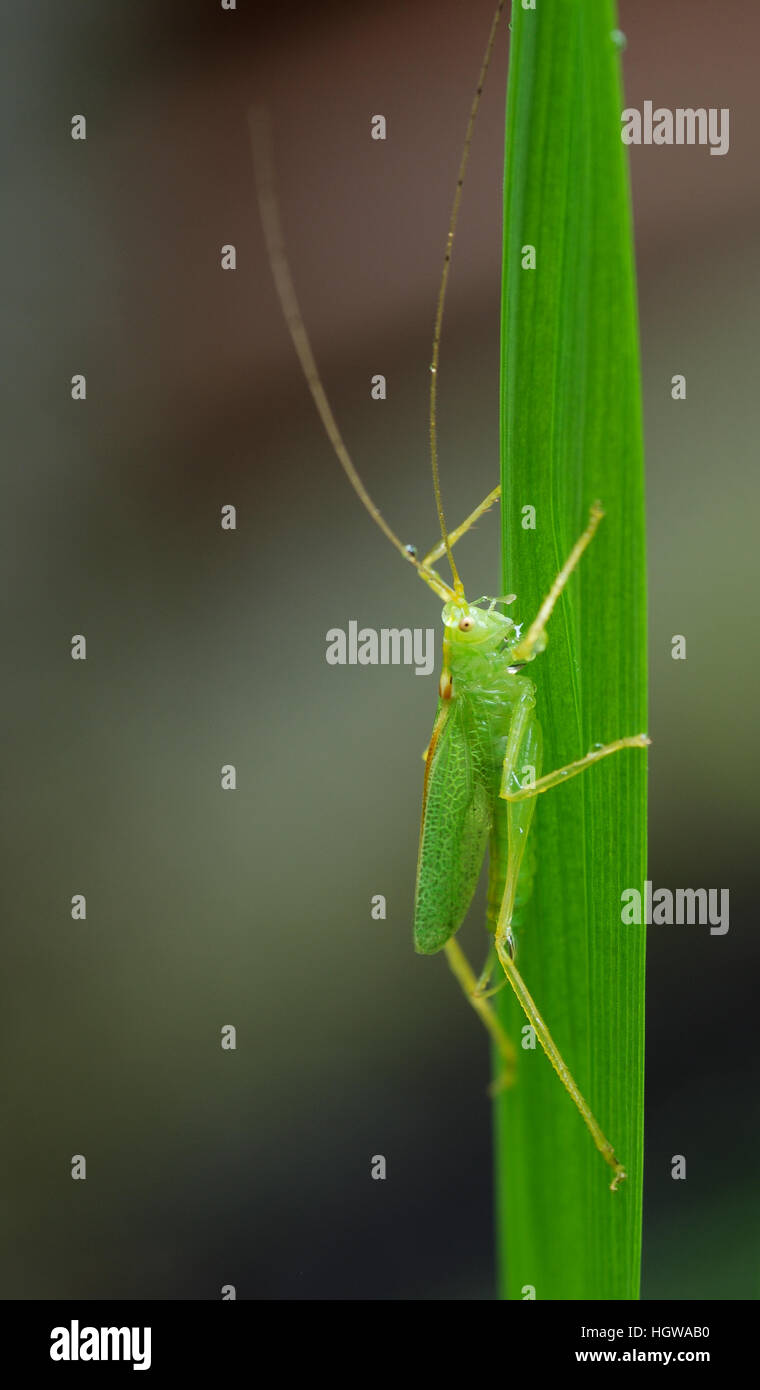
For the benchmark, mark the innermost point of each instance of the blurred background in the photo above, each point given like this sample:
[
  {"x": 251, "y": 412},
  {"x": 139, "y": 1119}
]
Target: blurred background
[{"x": 206, "y": 647}]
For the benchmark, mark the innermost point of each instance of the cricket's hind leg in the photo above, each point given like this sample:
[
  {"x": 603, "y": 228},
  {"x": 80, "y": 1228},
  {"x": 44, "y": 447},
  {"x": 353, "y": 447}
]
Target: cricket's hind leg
[
  {"x": 555, "y": 1057},
  {"x": 520, "y": 743},
  {"x": 512, "y": 824},
  {"x": 473, "y": 992}
]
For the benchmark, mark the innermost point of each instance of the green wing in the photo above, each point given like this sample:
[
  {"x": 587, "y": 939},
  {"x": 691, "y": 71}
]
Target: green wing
[{"x": 456, "y": 822}]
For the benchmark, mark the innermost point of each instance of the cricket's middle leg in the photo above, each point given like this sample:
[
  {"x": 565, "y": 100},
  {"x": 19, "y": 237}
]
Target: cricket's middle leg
[{"x": 563, "y": 774}]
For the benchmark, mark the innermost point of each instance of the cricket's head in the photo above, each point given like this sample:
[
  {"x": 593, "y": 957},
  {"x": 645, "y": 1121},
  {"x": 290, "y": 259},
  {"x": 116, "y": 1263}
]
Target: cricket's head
[{"x": 471, "y": 628}]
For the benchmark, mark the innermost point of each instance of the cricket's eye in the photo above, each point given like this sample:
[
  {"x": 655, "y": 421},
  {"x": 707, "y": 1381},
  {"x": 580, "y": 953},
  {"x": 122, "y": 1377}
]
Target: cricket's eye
[{"x": 466, "y": 623}]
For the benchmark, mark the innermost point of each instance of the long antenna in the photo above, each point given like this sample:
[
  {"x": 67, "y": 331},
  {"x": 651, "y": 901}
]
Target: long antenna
[
  {"x": 270, "y": 220},
  {"x": 442, "y": 296}
]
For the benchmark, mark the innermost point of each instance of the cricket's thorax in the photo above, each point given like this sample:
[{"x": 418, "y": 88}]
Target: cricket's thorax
[{"x": 477, "y": 657}]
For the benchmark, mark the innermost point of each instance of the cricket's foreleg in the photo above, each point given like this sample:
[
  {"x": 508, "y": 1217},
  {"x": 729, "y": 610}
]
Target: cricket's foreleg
[
  {"x": 534, "y": 640},
  {"x": 563, "y": 774},
  {"x": 470, "y": 985},
  {"x": 439, "y": 550}
]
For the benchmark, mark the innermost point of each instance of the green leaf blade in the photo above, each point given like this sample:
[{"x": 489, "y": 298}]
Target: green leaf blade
[{"x": 571, "y": 433}]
